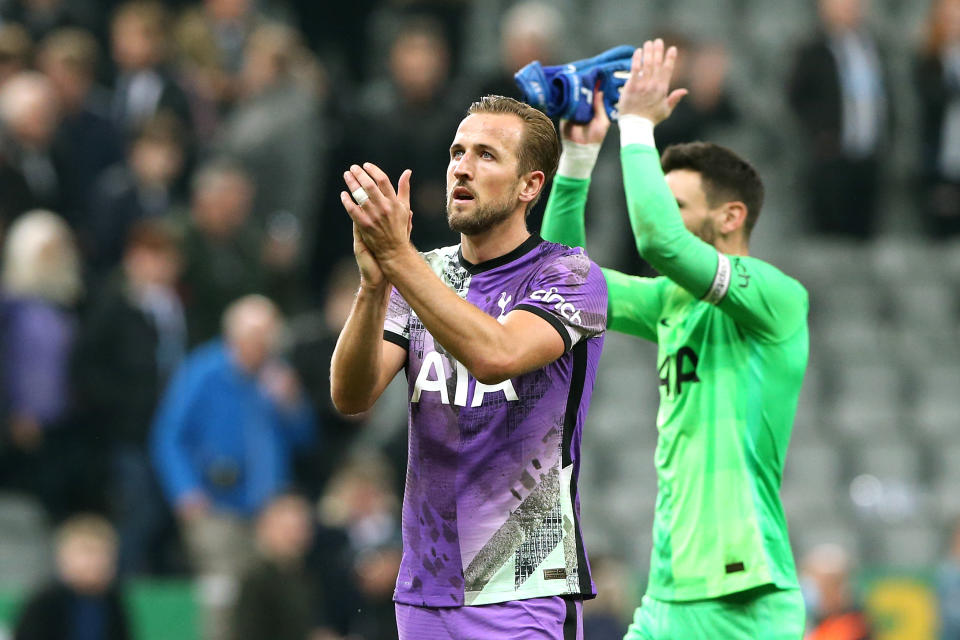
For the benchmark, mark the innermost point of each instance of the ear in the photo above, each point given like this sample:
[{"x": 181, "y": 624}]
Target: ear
[
  {"x": 733, "y": 217},
  {"x": 531, "y": 184}
]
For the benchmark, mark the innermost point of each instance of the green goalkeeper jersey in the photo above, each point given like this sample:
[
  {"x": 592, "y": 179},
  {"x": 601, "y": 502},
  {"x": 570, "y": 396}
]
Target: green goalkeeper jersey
[{"x": 732, "y": 350}]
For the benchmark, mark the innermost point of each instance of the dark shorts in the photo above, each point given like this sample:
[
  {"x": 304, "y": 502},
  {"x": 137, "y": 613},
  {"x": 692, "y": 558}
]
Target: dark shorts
[{"x": 552, "y": 618}]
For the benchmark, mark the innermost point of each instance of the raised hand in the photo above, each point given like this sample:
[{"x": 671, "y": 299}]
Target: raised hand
[
  {"x": 592, "y": 132},
  {"x": 647, "y": 91},
  {"x": 382, "y": 221},
  {"x": 371, "y": 275}
]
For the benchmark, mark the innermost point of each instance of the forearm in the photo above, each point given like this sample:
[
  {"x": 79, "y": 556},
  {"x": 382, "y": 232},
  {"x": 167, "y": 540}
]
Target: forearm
[
  {"x": 658, "y": 229},
  {"x": 564, "y": 219},
  {"x": 357, "y": 357},
  {"x": 472, "y": 337}
]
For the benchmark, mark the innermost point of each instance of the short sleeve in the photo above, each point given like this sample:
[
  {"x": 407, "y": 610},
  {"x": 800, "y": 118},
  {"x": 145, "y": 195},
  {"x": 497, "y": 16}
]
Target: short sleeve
[
  {"x": 396, "y": 325},
  {"x": 571, "y": 294}
]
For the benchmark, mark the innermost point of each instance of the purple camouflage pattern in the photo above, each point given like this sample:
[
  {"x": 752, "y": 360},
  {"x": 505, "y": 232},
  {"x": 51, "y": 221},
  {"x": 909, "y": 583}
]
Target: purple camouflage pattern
[{"x": 490, "y": 509}]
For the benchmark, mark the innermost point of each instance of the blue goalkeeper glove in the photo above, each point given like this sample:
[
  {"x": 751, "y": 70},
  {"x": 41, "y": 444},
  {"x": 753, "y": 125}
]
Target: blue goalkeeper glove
[{"x": 566, "y": 91}]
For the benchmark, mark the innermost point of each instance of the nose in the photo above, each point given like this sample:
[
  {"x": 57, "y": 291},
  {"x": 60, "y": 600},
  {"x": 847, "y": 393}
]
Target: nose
[{"x": 463, "y": 168}]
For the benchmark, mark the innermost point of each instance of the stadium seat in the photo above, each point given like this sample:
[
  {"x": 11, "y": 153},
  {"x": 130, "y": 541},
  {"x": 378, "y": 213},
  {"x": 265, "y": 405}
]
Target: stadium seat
[
  {"x": 916, "y": 544},
  {"x": 899, "y": 461},
  {"x": 815, "y": 468},
  {"x": 25, "y": 557},
  {"x": 806, "y": 535},
  {"x": 930, "y": 304},
  {"x": 935, "y": 407}
]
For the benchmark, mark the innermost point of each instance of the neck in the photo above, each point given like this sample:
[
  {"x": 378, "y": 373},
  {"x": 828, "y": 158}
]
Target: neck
[
  {"x": 496, "y": 241},
  {"x": 733, "y": 245}
]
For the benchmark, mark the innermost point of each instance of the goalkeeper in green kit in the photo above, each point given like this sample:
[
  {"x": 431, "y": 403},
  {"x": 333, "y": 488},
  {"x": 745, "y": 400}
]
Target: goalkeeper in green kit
[{"x": 732, "y": 344}]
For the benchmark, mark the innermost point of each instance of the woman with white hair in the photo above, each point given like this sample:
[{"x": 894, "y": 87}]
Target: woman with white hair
[{"x": 41, "y": 283}]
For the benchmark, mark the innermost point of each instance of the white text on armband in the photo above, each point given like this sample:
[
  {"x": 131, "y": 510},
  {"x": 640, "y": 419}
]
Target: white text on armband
[{"x": 721, "y": 281}]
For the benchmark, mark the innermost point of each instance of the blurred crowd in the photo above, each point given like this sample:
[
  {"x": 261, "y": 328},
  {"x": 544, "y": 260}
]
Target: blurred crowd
[{"x": 176, "y": 267}]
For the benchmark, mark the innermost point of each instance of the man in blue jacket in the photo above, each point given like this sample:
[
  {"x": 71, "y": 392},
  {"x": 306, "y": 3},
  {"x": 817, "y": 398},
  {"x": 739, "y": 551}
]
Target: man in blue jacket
[{"x": 223, "y": 440}]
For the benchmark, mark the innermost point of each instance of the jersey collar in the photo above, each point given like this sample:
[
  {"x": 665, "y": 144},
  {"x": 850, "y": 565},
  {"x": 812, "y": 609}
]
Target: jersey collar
[{"x": 525, "y": 247}]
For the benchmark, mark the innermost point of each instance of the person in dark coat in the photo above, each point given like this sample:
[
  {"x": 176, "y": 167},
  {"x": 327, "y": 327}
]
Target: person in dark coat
[
  {"x": 84, "y": 602},
  {"x": 86, "y": 141},
  {"x": 840, "y": 94},
  {"x": 145, "y": 84},
  {"x": 131, "y": 340},
  {"x": 937, "y": 73},
  {"x": 280, "y": 596}
]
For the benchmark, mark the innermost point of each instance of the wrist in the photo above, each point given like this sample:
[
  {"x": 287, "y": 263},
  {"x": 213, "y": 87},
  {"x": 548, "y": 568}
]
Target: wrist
[
  {"x": 636, "y": 129},
  {"x": 373, "y": 289},
  {"x": 578, "y": 159},
  {"x": 394, "y": 262}
]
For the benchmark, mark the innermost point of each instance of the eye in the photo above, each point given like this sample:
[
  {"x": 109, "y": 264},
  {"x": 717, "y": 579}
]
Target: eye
[
  {"x": 486, "y": 155},
  {"x": 455, "y": 155}
]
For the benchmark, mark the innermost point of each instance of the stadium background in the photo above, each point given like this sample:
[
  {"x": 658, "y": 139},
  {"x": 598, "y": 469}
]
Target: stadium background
[{"x": 874, "y": 463}]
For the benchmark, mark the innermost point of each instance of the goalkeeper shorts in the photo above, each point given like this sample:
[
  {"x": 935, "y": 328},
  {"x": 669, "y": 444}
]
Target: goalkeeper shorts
[{"x": 770, "y": 614}]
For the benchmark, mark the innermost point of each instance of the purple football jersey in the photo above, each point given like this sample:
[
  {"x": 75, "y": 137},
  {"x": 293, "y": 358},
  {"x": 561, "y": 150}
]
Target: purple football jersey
[{"x": 491, "y": 511}]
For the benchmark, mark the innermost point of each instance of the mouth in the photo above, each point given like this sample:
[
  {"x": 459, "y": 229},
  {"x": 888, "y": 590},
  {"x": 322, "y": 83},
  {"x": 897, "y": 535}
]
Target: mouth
[{"x": 461, "y": 195}]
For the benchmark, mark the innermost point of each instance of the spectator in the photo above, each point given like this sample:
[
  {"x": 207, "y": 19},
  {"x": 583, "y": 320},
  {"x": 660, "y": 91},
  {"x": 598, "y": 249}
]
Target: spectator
[
  {"x": 607, "y": 616},
  {"x": 222, "y": 443},
  {"x": 314, "y": 337},
  {"x": 16, "y": 50},
  {"x": 86, "y": 142},
  {"x": 143, "y": 187},
  {"x": 84, "y": 601},
  {"x": 407, "y": 122},
  {"x": 41, "y": 285},
  {"x": 279, "y": 596},
  {"x": 938, "y": 80},
  {"x": 274, "y": 132},
  {"x": 145, "y": 84},
  {"x": 839, "y": 93},
  {"x": 702, "y": 68},
  {"x": 41, "y": 17},
  {"x": 222, "y": 250},
  {"x": 133, "y": 337},
  {"x": 833, "y": 614},
  {"x": 360, "y": 516},
  {"x": 30, "y": 112},
  {"x": 210, "y": 40},
  {"x": 948, "y": 588},
  {"x": 529, "y": 31}
]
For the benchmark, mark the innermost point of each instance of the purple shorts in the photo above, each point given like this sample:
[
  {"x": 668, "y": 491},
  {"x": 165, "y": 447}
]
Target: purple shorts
[{"x": 552, "y": 618}]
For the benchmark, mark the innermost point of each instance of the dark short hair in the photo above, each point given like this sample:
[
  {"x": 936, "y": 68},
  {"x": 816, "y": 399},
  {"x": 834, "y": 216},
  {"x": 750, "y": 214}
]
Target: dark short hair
[
  {"x": 726, "y": 177},
  {"x": 154, "y": 235},
  {"x": 539, "y": 145}
]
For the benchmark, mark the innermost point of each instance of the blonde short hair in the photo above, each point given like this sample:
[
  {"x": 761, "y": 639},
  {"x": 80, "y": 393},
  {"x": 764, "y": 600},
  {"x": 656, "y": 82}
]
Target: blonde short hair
[
  {"x": 86, "y": 525},
  {"x": 40, "y": 259}
]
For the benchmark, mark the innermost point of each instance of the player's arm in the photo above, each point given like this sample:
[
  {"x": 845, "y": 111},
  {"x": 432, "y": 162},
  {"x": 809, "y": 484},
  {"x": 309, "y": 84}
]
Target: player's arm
[
  {"x": 363, "y": 362},
  {"x": 563, "y": 220},
  {"x": 634, "y": 302},
  {"x": 490, "y": 350},
  {"x": 764, "y": 302}
]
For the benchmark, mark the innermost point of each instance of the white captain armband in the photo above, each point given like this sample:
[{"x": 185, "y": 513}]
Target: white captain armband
[{"x": 721, "y": 281}]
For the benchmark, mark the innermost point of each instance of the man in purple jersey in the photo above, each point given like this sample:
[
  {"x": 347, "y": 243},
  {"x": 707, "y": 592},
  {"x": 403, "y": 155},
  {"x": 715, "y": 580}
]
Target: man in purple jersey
[{"x": 500, "y": 338}]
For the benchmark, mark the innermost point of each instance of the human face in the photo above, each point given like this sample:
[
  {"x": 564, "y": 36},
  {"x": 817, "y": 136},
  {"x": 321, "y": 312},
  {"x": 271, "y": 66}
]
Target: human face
[
  {"x": 948, "y": 15},
  {"x": 698, "y": 217},
  {"x": 87, "y": 564},
  {"x": 842, "y": 14},
  {"x": 254, "y": 338},
  {"x": 483, "y": 183}
]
